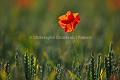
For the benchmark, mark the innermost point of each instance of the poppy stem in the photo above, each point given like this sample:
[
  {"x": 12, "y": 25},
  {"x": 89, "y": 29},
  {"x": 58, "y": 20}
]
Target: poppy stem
[{"x": 74, "y": 48}]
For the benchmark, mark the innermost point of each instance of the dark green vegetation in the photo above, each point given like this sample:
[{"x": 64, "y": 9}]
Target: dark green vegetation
[
  {"x": 24, "y": 57},
  {"x": 103, "y": 67}
]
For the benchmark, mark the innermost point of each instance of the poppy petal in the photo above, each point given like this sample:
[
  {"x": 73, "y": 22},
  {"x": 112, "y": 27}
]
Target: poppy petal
[
  {"x": 62, "y": 24},
  {"x": 75, "y": 15},
  {"x": 67, "y": 18},
  {"x": 70, "y": 16},
  {"x": 62, "y": 17},
  {"x": 65, "y": 21},
  {"x": 69, "y": 28},
  {"x": 77, "y": 18},
  {"x": 73, "y": 24}
]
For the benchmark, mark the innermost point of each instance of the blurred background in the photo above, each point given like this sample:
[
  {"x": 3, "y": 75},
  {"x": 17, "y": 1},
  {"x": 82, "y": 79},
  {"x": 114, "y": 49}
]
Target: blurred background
[{"x": 20, "y": 19}]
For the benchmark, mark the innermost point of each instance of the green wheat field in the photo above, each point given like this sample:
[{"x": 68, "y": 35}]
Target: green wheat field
[{"x": 33, "y": 46}]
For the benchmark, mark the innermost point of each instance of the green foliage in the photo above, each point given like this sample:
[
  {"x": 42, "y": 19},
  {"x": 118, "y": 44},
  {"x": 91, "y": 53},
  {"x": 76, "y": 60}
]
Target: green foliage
[
  {"x": 98, "y": 70},
  {"x": 94, "y": 70},
  {"x": 20, "y": 24},
  {"x": 7, "y": 70},
  {"x": 27, "y": 67}
]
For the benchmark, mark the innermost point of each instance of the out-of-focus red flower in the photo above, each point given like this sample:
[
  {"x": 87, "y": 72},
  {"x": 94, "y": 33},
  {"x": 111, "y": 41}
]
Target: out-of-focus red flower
[
  {"x": 113, "y": 4},
  {"x": 23, "y": 3},
  {"x": 113, "y": 77},
  {"x": 69, "y": 21}
]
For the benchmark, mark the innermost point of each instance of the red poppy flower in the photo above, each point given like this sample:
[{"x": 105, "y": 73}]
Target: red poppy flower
[
  {"x": 24, "y": 3},
  {"x": 113, "y": 4},
  {"x": 69, "y": 21},
  {"x": 113, "y": 77}
]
